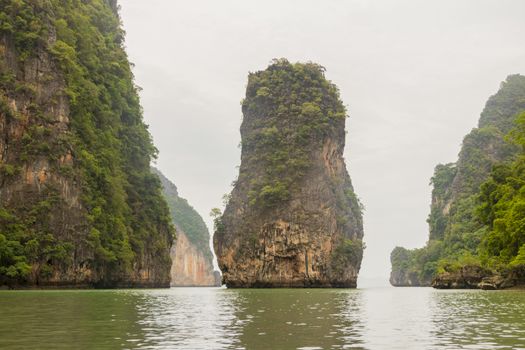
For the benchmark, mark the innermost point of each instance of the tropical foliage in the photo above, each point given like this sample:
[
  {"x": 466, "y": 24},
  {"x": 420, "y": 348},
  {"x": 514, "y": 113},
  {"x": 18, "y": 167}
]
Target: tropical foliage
[
  {"x": 112, "y": 148},
  {"x": 478, "y": 214},
  {"x": 186, "y": 217},
  {"x": 295, "y": 106}
]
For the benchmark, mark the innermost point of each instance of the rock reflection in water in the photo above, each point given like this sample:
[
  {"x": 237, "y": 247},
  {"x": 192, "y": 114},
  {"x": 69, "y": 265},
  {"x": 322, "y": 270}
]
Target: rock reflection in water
[
  {"x": 253, "y": 319},
  {"x": 190, "y": 318},
  {"x": 217, "y": 318},
  {"x": 300, "y": 319}
]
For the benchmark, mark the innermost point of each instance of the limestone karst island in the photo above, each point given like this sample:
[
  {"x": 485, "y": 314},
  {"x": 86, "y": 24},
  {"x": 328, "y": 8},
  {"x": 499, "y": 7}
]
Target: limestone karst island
[
  {"x": 293, "y": 218},
  {"x": 176, "y": 175},
  {"x": 477, "y": 237}
]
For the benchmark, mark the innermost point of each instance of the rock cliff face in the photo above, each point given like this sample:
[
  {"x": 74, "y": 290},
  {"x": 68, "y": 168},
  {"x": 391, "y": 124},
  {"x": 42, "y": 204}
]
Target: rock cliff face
[
  {"x": 190, "y": 268},
  {"x": 78, "y": 204},
  {"x": 292, "y": 219},
  {"x": 450, "y": 259},
  {"x": 190, "y": 254}
]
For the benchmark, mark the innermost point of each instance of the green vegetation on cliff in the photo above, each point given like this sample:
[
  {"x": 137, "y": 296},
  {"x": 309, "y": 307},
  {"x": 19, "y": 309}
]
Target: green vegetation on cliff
[
  {"x": 475, "y": 214},
  {"x": 292, "y": 218},
  {"x": 502, "y": 210},
  {"x": 186, "y": 217},
  {"x": 297, "y": 103},
  {"x": 126, "y": 223}
]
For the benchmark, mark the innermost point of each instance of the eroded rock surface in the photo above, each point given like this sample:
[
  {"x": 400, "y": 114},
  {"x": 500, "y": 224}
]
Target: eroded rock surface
[{"x": 293, "y": 219}]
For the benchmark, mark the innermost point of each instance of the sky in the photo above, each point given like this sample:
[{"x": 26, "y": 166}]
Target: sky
[{"x": 413, "y": 74}]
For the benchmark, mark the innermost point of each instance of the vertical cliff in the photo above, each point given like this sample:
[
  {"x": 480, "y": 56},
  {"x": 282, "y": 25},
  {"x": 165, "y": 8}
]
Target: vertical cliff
[
  {"x": 292, "y": 219},
  {"x": 190, "y": 266},
  {"x": 456, "y": 230},
  {"x": 78, "y": 203},
  {"x": 190, "y": 254}
]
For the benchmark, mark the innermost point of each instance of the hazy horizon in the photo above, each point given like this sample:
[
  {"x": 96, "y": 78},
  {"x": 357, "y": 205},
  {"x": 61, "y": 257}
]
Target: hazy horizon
[{"x": 412, "y": 95}]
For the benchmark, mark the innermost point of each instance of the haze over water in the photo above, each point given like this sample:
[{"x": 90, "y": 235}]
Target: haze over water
[
  {"x": 218, "y": 318},
  {"x": 414, "y": 74}
]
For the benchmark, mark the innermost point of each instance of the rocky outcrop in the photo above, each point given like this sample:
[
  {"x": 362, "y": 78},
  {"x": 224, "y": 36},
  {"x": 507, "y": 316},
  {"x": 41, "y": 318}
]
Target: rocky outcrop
[
  {"x": 467, "y": 277},
  {"x": 292, "y": 219},
  {"x": 476, "y": 277},
  {"x": 75, "y": 154},
  {"x": 190, "y": 255}
]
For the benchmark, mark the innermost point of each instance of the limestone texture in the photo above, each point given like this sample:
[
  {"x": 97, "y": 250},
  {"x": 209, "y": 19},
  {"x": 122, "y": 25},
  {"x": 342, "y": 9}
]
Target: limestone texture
[{"x": 292, "y": 218}]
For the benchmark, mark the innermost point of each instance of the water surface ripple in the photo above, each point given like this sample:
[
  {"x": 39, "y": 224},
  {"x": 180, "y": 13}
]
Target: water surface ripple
[{"x": 218, "y": 318}]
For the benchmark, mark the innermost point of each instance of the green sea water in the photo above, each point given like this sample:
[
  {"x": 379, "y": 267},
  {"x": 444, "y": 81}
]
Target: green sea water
[{"x": 219, "y": 318}]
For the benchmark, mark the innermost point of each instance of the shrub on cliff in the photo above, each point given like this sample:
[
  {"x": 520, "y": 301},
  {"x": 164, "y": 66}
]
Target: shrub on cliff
[
  {"x": 502, "y": 208},
  {"x": 297, "y": 103},
  {"x": 126, "y": 216},
  {"x": 477, "y": 213}
]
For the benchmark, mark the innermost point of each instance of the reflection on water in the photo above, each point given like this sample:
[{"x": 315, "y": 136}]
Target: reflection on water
[
  {"x": 197, "y": 318},
  {"x": 251, "y": 319},
  {"x": 300, "y": 319},
  {"x": 397, "y": 318},
  {"x": 479, "y": 320},
  {"x": 190, "y": 318},
  {"x": 67, "y": 320}
]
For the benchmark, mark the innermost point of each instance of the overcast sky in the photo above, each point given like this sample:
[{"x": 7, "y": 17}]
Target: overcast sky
[{"x": 414, "y": 74}]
